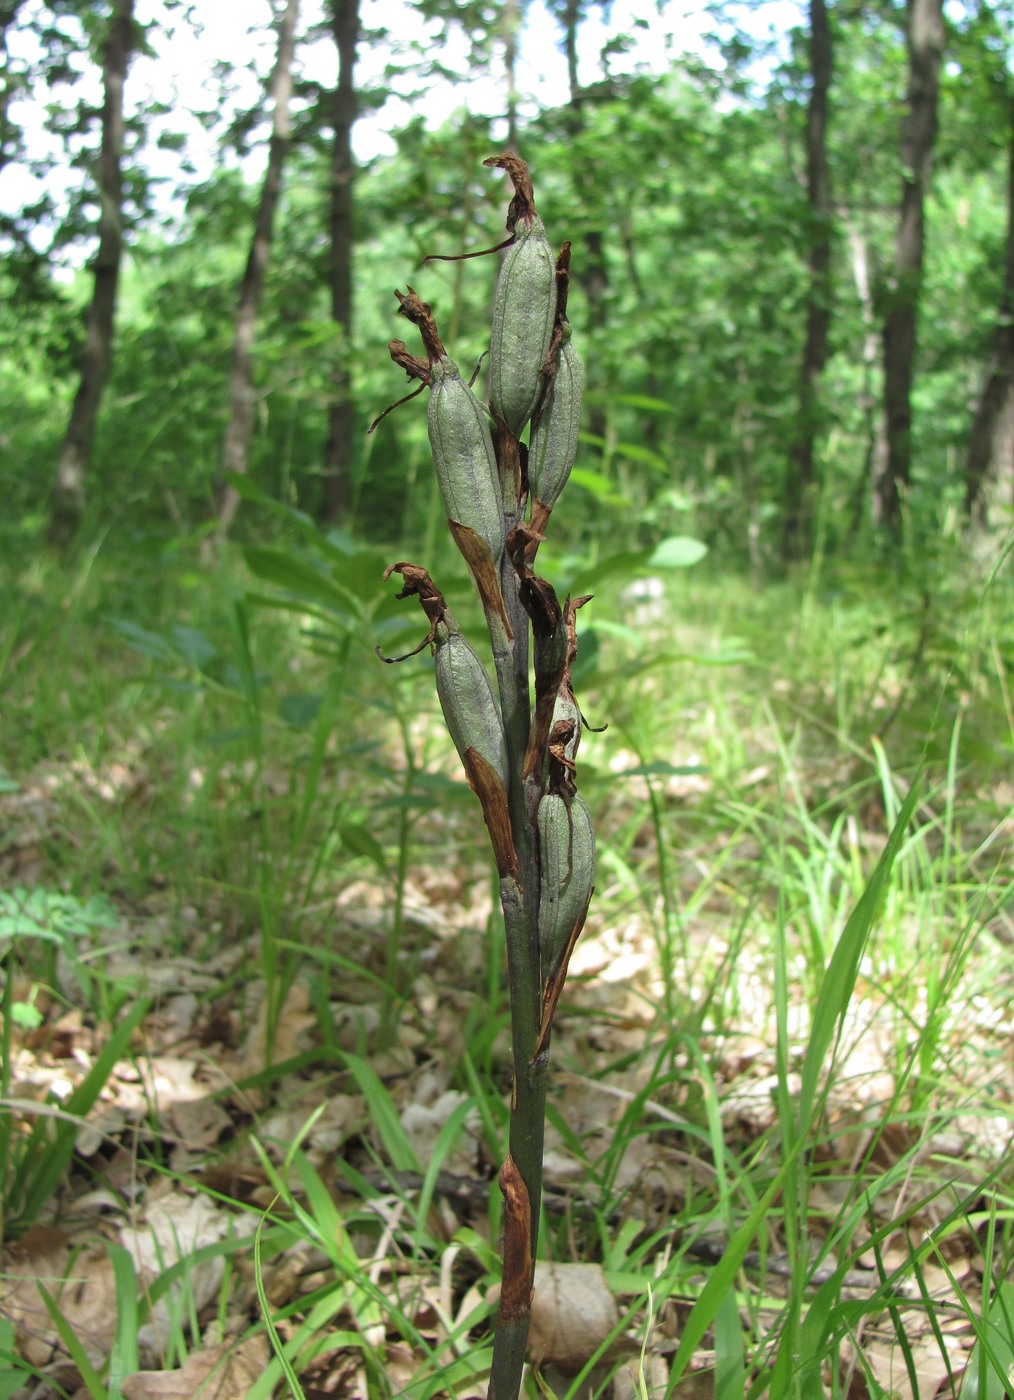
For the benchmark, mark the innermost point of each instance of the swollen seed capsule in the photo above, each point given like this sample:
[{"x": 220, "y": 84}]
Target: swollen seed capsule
[
  {"x": 553, "y": 446},
  {"x": 463, "y": 455},
  {"x": 524, "y": 313},
  {"x": 470, "y": 709},
  {"x": 566, "y": 872}
]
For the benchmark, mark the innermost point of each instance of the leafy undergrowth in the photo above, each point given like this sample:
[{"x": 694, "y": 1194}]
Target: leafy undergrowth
[{"x": 249, "y": 942}]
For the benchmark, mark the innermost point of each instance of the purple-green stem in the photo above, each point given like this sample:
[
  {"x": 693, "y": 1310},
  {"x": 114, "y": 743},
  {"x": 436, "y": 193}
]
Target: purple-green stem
[{"x": 520, "y": 902}]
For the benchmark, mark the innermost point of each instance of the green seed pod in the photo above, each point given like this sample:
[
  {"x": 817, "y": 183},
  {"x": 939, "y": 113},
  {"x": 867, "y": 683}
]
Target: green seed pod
[
  {"x": 553, "y": 445},
  {"x": 463, "y": 455},
  {"x": 467, "y": 700},
  {"x": 524, "y": 313},
  {"x": 567, "y": 872}
]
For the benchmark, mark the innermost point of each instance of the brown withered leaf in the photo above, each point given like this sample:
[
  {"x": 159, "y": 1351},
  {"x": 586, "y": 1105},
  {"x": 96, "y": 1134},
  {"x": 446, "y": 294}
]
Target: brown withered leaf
[
  {"x": 522, "y": 205},
  {"x": 82, "y": 1284},
  {"x": 481, "y": 565},
  {"x": 488, "y": 786},
  {"x": 224, "y": 1372},
  {"x": 573, "y": 1312}
]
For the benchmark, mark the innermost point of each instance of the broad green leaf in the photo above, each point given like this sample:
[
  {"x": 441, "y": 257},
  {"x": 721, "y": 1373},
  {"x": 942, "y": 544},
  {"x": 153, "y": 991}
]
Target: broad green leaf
[
  {"x": 633, "y": 452},
  {"x": 646, "y": 402},
  {"x": 300, "y": 710},
  {"x": 249, "y": 491},
  {"x": 141, "y": 640},
  {"x": 194, "y": 646},
  {"x": 285, "y": 570},
  {"x": 598, "y": 486},
  {"x": 357, "y": 839},
  {"x": 677, "y": 552}
]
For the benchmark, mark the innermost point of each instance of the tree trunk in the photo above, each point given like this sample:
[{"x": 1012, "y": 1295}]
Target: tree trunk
[
  {"x": 340, "y": 437},
  {"x": 591, "y": 270},
  {"x": 875, "y": 455},
  {"x": 68, "y": 498},
  {"x": 236, "y": 448},
  {"x": 8, "y": 14},
  {"x": 990, "y": 459},
  {"x": 925, "y": 41},
  {"x": 568, "y": 14},
  {"x": 799, "y": 505},
  {"x": 511, "y": 23}
]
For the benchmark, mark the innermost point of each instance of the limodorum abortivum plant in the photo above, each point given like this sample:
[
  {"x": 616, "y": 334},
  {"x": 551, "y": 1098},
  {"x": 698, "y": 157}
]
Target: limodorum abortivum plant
[{"x": 501, "y": 467}]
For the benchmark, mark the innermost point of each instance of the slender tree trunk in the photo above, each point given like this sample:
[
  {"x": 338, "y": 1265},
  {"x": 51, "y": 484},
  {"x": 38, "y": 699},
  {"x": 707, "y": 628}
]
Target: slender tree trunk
[
  {"x": 590, "y": 270},
  {"x": 8, "y": 14},
  {"x": 338, "y": 447},
  {"x": 236, "y": 447},
  {"x": 799, "y": 505},
  {"x": 925, "y": 41},
  {"x": 511, "y": 23},
  {"x": 568, "y": 13},
  {"x": 875, "y": 455},
  {"x": 69, "y": 491},
  {"x": 990, "y": 447}
]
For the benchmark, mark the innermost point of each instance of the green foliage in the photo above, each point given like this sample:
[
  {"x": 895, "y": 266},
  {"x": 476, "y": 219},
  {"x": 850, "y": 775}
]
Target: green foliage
[
  {"x": 739, "y": 828},
  {"x": 32, "y": 1165},
  {"x": 688, "y": 214}
]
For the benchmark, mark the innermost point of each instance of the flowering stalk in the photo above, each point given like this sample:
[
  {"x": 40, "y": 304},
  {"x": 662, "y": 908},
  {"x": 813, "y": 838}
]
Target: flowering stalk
[{"x": 520, "y": 757}]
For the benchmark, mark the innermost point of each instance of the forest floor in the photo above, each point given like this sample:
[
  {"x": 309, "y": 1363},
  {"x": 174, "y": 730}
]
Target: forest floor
[{"x": 256, "y": 1057}]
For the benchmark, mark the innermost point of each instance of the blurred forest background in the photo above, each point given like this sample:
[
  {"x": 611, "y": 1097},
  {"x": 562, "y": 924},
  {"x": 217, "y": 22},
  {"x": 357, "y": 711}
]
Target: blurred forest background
[
  {"x": 252, "y": 966},
  {"x": 794, "y": 272}
]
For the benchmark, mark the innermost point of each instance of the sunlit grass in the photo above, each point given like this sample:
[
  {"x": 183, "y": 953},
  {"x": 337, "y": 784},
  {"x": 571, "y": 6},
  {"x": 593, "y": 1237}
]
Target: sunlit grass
[{"x": 793, "y": 1096}]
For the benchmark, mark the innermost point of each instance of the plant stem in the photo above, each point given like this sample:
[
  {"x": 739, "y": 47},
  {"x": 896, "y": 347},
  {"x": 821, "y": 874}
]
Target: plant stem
[{"x": 519, "y": 896}]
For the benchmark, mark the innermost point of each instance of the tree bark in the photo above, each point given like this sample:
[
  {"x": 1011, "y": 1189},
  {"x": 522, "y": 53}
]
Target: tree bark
[
  {"x": 8, "y": 15},
  {"x": 925, "y": 43},
  {"x": 511, "y": 23},
  {"x": 340, "y": 438},
  {"x": 236, "y": 447},
  {"x": 68, "y": 500},
  {"x": 875, "y": 454},
  {"x": 802, "y": 475},
  {"x": 591, "y": 270},
  {"x": 990, "y": 459},
  {"x": 570, "y": 16}
]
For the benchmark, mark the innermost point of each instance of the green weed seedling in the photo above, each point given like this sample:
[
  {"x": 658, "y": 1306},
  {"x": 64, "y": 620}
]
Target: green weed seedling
[{"x": 33, "y": 1163}]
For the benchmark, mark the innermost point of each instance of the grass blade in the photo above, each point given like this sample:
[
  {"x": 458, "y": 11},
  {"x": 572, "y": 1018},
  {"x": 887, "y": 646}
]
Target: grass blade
[{"x": 840, "y": 978}]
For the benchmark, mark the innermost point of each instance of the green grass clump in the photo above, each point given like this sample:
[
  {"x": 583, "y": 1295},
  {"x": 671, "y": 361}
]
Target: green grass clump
[{"x": 783, "y": 1121}]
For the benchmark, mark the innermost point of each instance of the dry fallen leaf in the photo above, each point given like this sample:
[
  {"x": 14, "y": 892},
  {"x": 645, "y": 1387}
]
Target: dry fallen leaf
[
  {"x": 175, "y": 1226},
  {"x": 889, "y": 1366},
  {"x": 217, "y": 1373},
  {"x": 573, "y": 1311},
  {"x": 81, "y": 1283}
]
